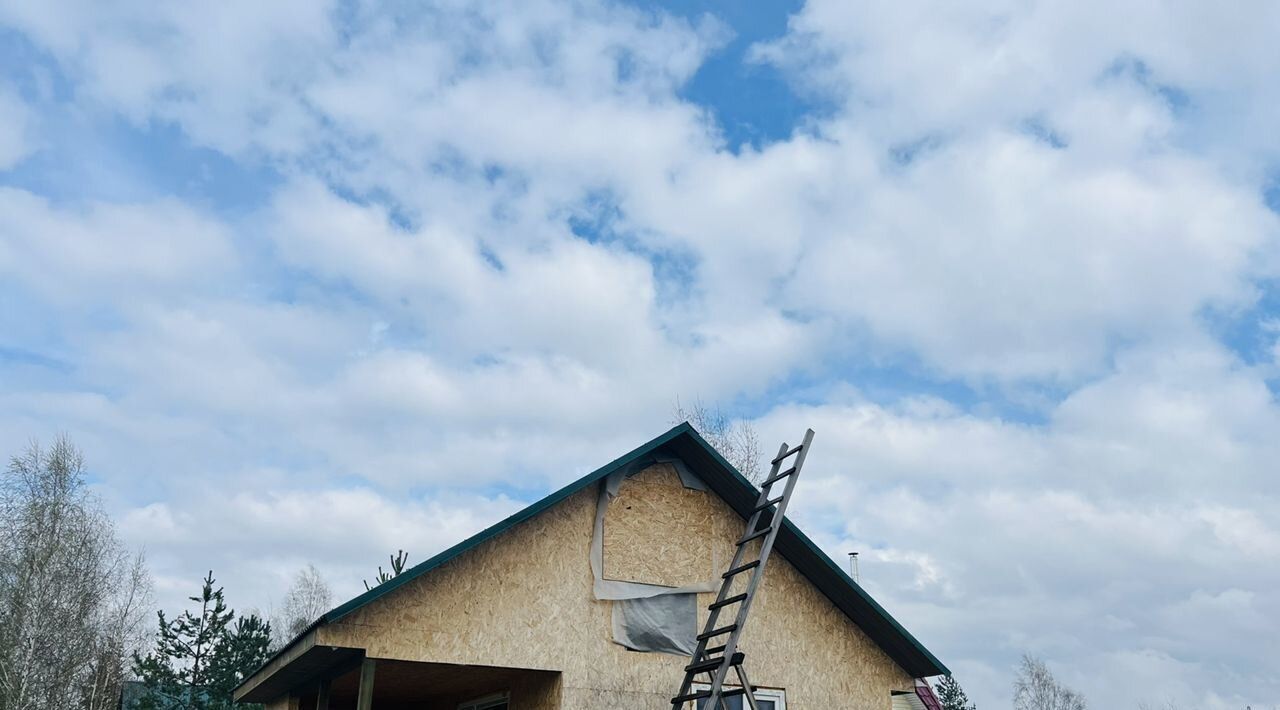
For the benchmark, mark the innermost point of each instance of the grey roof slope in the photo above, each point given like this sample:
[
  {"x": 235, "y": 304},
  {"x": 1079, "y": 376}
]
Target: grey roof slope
[{"x": 684, "y": 442}]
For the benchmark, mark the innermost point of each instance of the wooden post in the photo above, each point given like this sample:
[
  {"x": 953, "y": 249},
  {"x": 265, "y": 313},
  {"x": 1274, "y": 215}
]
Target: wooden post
[
  {"x": 322, "y": 695},
  {"x": 364, "y": 698}
]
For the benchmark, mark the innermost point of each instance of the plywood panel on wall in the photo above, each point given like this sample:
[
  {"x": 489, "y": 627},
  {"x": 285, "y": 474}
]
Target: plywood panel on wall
[
  {"x": 655, "y": 531},
  {"x": 524, "y": 599}
]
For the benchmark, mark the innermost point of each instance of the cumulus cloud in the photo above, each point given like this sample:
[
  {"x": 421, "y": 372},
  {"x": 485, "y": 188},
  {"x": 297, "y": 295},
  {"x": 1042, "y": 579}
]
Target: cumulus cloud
[
  {"x": 346, "y": 532},
  {"x": 109, "y": 249},
  {"x": 1133, "y": 530}
]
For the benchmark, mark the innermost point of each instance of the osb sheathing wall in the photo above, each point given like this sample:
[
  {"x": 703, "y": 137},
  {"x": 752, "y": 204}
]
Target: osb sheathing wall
[
  {"x": 524, "y": 599},
  {"x": 646, "y": 531}
]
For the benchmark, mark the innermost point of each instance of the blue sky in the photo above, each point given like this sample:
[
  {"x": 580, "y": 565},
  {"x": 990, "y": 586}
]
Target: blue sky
[{"x": 406, "y": 269}]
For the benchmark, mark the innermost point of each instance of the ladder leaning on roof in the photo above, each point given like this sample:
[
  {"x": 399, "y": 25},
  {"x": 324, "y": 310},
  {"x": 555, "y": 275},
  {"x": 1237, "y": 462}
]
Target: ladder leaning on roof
[{"x": 705, "y": 658}]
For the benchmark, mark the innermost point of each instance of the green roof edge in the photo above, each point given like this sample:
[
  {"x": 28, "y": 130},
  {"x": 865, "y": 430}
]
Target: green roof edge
[
  {"x": 863, "y": 593},
  {"x": 786, "y": 522}
]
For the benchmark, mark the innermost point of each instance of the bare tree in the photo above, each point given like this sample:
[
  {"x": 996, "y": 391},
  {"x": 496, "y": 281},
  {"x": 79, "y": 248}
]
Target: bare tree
[
  {"x": 736, "y": 440},
  {"x": 306, "y": 600},
  {"x": 1035, "y": 688},
  {"x": 70, "y": 594},
  {"x": 122, "y": 631}
]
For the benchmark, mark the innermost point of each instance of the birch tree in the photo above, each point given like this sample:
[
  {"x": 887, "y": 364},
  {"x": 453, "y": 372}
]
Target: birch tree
[
  {"x": 1035, "y": 688},
  {"x": 69, "y": 592},
  {"x": 736, "y": 441},
  {"x": 307, "y": 598}
]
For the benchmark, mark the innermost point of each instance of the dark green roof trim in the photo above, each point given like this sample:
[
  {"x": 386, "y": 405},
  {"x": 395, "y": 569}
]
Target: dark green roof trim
[
  {"x": 684, "y": 442},
  {"x": 803, "y": 554}
]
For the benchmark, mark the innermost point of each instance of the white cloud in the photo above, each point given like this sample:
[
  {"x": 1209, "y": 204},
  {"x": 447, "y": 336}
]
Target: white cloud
[
  {"x": 16, "y": 139},
  {"x": 109, "y": 250},
  {"x": 1135, "y": 524},
  {"x": 346, "y": 532}
]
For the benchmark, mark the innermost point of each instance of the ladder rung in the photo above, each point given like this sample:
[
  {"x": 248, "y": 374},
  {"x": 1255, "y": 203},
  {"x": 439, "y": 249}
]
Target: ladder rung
[
  {"x": 704, "y": 666},
  {"x": 759, "y": 533},
  {"x": 703, "y": 694},
  {"x": 717, "y": 632},
  {"x": 767, "y": 504},
  {"x": 713, "y": 649},
  {"x": 771, "y": 479},
  {"x": 691, "y": 696},
  {"x": 741, "y": 569},
  {"x": 713, "y": 663},
  {"x": 727, "y": 602},
  {"x": 789, "y": 452}
]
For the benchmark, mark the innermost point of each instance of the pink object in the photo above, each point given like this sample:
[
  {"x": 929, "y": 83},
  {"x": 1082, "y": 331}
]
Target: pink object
[{"x": 925, "y": 692}]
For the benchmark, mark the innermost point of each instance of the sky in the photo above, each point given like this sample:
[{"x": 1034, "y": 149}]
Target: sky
[{"x": 311, "y": 282}]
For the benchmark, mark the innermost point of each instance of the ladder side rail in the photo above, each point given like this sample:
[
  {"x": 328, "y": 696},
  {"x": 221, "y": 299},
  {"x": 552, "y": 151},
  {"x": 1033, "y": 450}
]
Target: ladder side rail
[
  {"x": 726, "y": 585},
  {"x": 752, "y": 523},
  {"x": 746, "y": 684},
  {"x": 766, "y": 546},
  {"x": 713, "y": 616},
  {"x": 715, "y": 698}
]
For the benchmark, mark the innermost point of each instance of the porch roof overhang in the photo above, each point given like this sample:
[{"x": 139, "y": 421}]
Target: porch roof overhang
[{"x": 303, "y": 663}]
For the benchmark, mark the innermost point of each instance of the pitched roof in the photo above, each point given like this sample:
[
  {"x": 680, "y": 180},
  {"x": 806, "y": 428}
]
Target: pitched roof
[{"x": 684, "y": 442}]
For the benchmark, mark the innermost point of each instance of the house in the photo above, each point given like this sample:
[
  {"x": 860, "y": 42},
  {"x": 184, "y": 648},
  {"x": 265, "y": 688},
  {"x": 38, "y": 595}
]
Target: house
[{"x": 587, "y": 598}]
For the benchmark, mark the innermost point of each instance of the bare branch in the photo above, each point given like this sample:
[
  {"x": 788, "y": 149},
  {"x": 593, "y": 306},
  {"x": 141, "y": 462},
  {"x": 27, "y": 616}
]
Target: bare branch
[{"x": 736, "y": 440}]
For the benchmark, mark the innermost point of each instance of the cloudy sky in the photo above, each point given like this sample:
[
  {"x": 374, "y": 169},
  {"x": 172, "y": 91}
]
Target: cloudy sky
[{"x": 311, "y": 282}]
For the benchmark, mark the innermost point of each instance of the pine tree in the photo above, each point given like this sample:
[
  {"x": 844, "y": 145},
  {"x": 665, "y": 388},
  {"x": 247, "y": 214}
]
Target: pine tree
[
  {"x": 397, "y": 567},
  {"x": 243, "y": 649},
  {"x": 952, "y": 695},
  {"x": 200, "y": 658}
]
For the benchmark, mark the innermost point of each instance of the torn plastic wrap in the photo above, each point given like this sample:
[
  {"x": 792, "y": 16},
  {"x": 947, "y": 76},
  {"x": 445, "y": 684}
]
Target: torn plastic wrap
[
  {"x": 647, "y": 617},
  {"x": 665, "y": 623}
]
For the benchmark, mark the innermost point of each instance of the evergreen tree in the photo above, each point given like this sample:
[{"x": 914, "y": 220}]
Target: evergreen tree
[
  {"x": 952, "y": 695},
  {"x": 244, "y": 648},
  {"x": 200, "y": 658},
  {"x": 397, "y": 567}
]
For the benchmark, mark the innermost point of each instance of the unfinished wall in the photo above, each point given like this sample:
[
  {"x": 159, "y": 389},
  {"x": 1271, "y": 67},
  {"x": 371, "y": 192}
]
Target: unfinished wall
[
  {"x": 524, "y": 599},
  {"x": 644, "y": 527}
]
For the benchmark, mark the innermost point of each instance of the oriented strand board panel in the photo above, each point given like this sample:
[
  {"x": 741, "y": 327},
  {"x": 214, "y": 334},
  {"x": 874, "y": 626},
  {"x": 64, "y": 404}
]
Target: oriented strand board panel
[
  {"x": 524, "y": 599},
  {"x": 649, "y": 527}
]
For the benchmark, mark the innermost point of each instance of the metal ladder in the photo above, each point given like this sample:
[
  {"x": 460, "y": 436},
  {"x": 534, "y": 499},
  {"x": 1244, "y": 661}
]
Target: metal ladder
[{"x": 704, "y": 658}]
